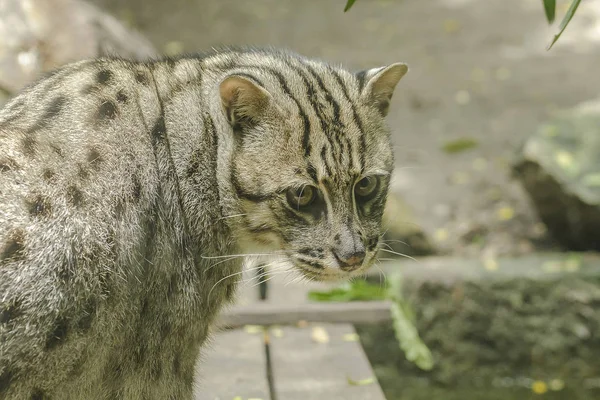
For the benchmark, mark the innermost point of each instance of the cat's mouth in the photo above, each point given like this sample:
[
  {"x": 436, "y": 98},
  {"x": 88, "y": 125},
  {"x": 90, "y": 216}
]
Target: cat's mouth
[{"x": 320, "y": 270}]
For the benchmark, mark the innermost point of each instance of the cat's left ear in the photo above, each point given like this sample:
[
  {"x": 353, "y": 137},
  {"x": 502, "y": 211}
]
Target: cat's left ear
[
  {"x": 379, "y": 83},
  {"x": 244, "y": 101}
]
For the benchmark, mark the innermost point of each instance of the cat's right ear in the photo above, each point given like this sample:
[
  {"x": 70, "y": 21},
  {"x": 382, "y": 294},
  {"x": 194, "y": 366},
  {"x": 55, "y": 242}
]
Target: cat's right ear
[
  {"x": 378, "y": 84},
  {"x": 244, "y": 101}
]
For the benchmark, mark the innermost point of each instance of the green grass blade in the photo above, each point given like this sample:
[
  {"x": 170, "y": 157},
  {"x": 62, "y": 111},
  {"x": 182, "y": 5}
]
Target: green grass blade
[
  {"x": 565, "y": 21},
  {"x": 550, "y": 8},
  {"x": 349, "y": 4}
]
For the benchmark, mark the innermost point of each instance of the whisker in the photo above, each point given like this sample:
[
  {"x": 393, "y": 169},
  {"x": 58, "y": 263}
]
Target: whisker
[
  {"x": 275, "y": 271},
  {"x": 402, "y": 255},
  {"x": 290, "y": 273},
  {"x": 222, "y": 279},
  {"x": 232, "y": 216},
  {"x": 221, "y": 262},
  {"x": 387, "y": 245},
  {"x": 382, "y": 282},
  {"x": 242, "y": 255},
  {"x": 230, "y": 275},
  {"x": 395, "y": 241},
  {"x": 273, "y": 275}
]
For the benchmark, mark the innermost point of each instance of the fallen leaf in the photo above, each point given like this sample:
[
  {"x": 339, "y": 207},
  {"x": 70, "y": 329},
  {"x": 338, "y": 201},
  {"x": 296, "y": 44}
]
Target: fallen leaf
[
  {"x": 556, "y": 385},
  {"x": 441, "y": 235},
  {"x": 490, "y": 264},
  {"x": 350, "y": 337},
  {"x": 277, "y": 332},
  {"x": 254, "y": 328},
  {"x": 302, "y": 324},
  {"x": 458, "y": 145},
  {"x": 320, "y": 335},
  {"x": 539, "y": 387},
  {"x": 505, "y": 213},
  {"x": 564, "y": 159},
  {"x": 361, "y": 382}
]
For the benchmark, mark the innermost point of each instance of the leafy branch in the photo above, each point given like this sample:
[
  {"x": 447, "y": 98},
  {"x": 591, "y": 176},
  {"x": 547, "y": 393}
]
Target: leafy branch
[{"x": 549, "y": 9}]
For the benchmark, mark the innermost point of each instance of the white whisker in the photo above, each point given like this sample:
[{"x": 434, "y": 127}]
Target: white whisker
[
  {"x": 232, "y": 216},
  {"x": 395, "y": 241},
  {"x": 220, "y": 262},
  {"x": 402, "y": 255},
  {"x": 240, "y": 255}
]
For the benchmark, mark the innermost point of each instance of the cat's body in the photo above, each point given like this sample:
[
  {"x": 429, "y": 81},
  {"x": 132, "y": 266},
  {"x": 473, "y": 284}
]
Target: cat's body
[{"x": 120, "y": 184}]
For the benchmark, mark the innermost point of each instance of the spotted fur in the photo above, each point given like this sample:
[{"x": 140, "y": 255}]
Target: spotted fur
[{"x": 122, "y": 184}]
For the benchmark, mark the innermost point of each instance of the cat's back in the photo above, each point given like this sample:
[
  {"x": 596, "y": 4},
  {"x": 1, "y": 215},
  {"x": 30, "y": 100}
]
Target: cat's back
[
  {"x": 75, "y": 176},
  {"x": 72, "y": 148}
]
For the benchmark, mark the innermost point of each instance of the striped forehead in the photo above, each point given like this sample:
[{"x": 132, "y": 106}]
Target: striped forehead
[
  {"x": 325, "y": 101},
  {"x": 332, "y": 133}
]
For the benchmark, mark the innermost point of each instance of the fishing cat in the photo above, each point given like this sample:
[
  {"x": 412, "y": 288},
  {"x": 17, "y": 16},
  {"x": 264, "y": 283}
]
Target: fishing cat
[{"x": 124, "y": 184}]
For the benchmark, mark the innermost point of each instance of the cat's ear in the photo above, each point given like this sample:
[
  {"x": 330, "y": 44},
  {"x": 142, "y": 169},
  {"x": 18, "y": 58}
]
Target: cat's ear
[
  {"x": 243, "y": 100},
  {"x": 378, "y": 84}
]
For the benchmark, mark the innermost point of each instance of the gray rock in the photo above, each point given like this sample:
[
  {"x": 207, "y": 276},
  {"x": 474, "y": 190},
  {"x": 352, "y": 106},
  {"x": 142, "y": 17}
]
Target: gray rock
[
  {"x": 38, "y": 36},
  {"x": 559, "y": 166}
]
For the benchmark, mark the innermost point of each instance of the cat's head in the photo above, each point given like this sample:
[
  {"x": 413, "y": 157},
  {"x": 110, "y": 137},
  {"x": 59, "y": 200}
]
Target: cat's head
[{"x": 312, "y": 162}]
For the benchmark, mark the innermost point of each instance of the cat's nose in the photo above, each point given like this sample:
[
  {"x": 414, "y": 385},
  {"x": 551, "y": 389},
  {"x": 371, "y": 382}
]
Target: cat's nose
[{"x": 351, "y": 260}]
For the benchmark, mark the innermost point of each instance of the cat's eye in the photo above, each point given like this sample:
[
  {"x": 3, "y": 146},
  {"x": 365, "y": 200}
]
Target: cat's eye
[
  {"x": 301, "y": 197},
  {"x": 366, "y": 187}
]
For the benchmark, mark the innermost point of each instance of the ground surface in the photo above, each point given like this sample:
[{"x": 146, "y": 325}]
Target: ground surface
[{"x": 479, "y": 69}]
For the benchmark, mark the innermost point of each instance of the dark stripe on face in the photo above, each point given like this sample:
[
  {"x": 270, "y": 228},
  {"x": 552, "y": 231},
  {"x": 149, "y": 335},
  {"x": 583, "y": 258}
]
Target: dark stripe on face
[
  {"x": 290, "y": 214},
  {"x": 311, "y": 94},
  {"x": 303, "y": 115},
  {"x": 312, "y": 263},
  {"x": 315, "y": 253},
  {"x": 324, "y": 160},
  {"x": 327, "y": 127},
  {"x": 357, "y": 119},
  {"x": 312, "y": 172},
  {"x": 336, "y": 125},
  {"x": 261, "y": 229},
  {"x": 328, "y": 96}
]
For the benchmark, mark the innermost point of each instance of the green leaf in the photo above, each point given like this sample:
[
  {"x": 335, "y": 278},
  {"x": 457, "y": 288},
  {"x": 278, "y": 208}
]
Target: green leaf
[
  {"x": 458, "y": 145},
  {"x": 406, "y": 333},
  {"x": 565, "y": 21},
  {"x": 550, "y": 8},
  {"x": 349, "y": 4},
  {"x": 360, "y": 382},
  {"x": 358, "y": 290}
]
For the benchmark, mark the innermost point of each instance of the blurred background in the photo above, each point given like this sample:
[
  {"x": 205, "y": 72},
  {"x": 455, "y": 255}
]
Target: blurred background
[{"x": 497, "y": 142}]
